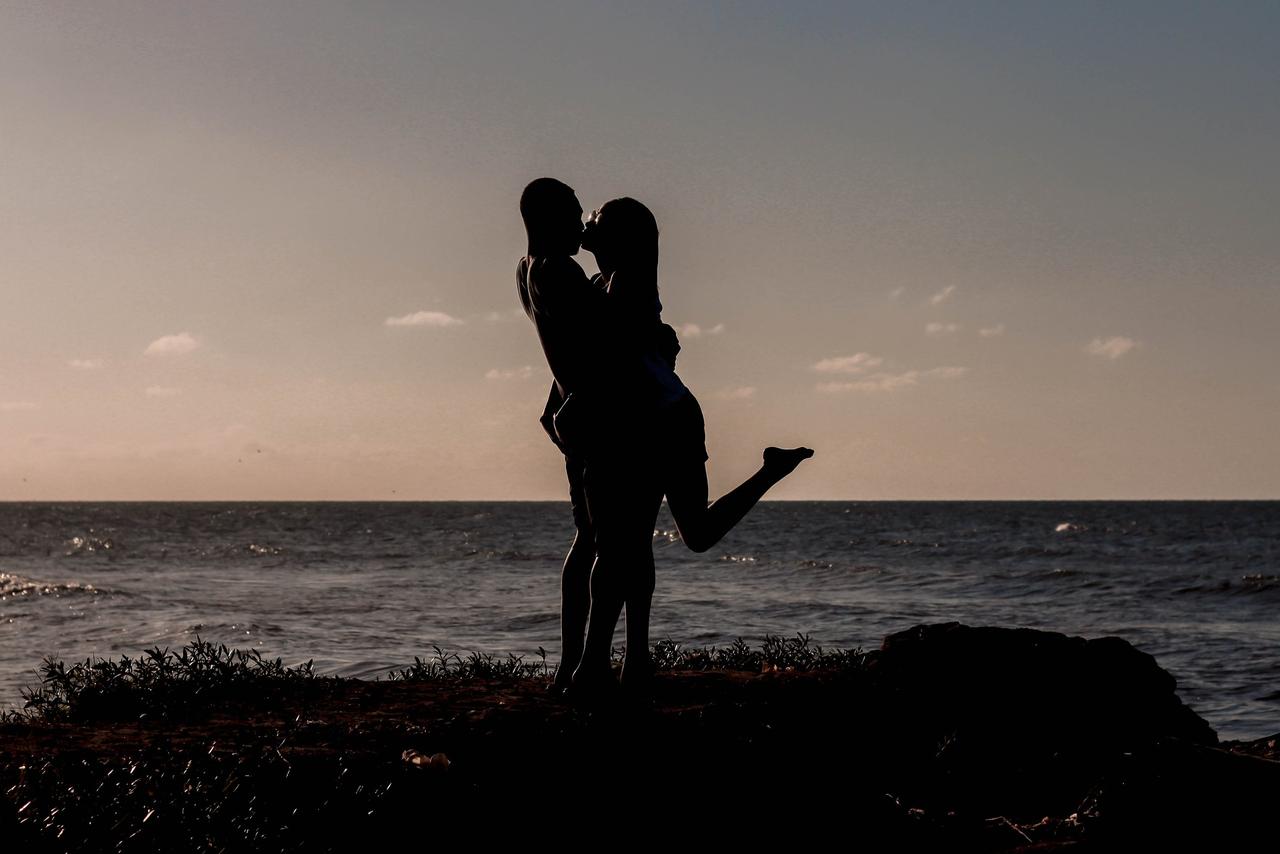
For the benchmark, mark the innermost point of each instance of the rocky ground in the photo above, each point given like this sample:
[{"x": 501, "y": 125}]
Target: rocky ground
[{"x": 947, "y": 737}]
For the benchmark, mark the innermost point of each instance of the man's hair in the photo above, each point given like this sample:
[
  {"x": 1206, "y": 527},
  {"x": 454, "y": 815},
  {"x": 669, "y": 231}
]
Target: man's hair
[{"x": 543, "y": 196}]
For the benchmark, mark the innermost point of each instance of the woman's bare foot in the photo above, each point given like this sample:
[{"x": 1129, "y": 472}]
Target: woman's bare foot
[
  {"x": 637, "y": 677},
  {"x": 780, "y": 462}
]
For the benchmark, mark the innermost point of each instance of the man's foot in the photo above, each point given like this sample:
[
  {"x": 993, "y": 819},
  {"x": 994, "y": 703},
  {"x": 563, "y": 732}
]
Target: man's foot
[
  {"x": 781, "y": 462},
  {"x": 637, "y": 679},
  {"x": 564, "y": 678}
]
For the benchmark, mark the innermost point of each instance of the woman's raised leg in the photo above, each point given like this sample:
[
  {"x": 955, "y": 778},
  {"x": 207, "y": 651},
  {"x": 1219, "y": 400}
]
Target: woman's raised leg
[{"x": 702, "y": 525}]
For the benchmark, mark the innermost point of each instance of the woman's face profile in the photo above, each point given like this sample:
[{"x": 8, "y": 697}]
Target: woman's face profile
[{"x": 591, "y": 232}]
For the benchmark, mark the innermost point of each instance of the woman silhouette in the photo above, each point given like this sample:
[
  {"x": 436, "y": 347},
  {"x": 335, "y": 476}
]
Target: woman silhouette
[{"x": 661, "y": 450}]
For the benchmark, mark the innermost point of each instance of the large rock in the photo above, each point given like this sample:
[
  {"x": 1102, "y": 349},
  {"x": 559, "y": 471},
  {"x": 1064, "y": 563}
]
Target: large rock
[{"x": 1021, "y": 718}]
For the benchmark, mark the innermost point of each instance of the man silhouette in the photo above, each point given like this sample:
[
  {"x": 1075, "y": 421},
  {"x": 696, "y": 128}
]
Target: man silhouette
[{"x": 570, "y": 313}]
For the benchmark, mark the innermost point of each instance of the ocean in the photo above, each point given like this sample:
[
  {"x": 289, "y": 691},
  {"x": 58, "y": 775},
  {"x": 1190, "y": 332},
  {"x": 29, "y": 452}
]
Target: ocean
[{"x": 361, "y": 588}]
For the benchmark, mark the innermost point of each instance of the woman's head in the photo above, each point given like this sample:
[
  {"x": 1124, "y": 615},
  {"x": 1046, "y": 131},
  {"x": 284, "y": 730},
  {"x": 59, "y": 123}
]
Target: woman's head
[{"x": 622, "y": 235}]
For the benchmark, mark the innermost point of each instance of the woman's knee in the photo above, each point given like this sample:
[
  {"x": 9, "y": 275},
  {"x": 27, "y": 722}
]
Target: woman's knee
[{"x": 695, "y": 539}]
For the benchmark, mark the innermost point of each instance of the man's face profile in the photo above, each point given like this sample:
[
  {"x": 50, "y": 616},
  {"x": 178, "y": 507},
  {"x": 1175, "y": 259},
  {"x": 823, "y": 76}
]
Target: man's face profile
[{"x": 574, "y": 229}]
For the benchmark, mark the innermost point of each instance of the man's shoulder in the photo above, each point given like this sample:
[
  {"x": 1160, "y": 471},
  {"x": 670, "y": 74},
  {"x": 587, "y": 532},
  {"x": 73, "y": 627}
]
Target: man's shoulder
[
  {"x": 552, "y": 267},
  {"x": 552, "y": 282}
]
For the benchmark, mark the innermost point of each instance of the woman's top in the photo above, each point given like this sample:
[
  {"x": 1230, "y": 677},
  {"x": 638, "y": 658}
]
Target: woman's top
[{"x": 639, "y": 311}]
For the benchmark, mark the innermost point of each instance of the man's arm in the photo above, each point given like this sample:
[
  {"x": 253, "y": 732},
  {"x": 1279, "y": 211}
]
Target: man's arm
[{"x": 554, "y": 402}]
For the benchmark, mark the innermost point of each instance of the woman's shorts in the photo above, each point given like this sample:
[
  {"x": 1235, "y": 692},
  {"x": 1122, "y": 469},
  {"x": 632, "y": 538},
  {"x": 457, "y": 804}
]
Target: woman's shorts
[
  {"x": 681, "y": 434},
  {"x": 623, "y": 476}
]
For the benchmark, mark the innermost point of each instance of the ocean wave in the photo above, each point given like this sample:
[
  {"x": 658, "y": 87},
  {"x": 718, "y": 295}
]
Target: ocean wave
[
  {"x": 828, "y": 569},
  {"x": 13, "y": 586},
  {"x": 1015, "y": 551},
  {"x": 1069, "y": 528},
  {"x": 216, "y": 631},
  {"x": 513, "y": 555},
  {"x": 89, "y": 545},
  {"x": 1246, "y": 585},
  {"x": 899, "y": 543},
  {"x": 1258, "y": 582},
  {"x": 523, "y": 622}
]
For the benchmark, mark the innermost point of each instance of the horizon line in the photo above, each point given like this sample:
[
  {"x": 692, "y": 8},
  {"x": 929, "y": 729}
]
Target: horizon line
[{"x": 4, "y": 501}]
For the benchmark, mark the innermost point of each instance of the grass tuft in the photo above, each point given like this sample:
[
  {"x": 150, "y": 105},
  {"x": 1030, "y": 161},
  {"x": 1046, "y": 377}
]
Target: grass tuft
[
  {"x": 776, "y": 653},
  {"x": 451, "y": 666},
  {"x": 164, "y": 683},
  {"x": 160, "y": 682}
]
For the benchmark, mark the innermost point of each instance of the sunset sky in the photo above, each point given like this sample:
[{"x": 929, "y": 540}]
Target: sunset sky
[{"x": 266, "y": 250}]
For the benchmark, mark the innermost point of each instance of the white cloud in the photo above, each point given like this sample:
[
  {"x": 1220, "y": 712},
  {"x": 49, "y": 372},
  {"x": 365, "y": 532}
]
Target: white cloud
[
  {"x": 85, "y": 364},
  {"x": 943, "y": 295},
  {"x": 1111, "y": 348},
  {"x": 858, "y": 363},
  {"x": 424, "y": 318},
  {"x": 889, "y": 382},
  {"x": 743, "y": 392},
  {"x": 991, "y": 331},
  {"x": 18, "y": 406},
  {"x": 896, "y": 293},
  {"x": 521, "y": 373},
  {"x": 162, "y": 391},
  {"x": 941, "y": 328},
  {"x": 693, "y": 330},
  {"x": 172, "y": 345}
]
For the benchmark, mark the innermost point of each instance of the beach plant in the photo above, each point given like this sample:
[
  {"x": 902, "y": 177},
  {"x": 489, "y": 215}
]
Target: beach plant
[
  {"x": 159, "y": 682},
  {"x": 452, "y": 666},
  {"x": 775, "y": 654},
  {"x": 203, "y": 675}
]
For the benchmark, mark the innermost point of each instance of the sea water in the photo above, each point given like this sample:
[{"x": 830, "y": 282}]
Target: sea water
[{"x": 361, "y": 588}]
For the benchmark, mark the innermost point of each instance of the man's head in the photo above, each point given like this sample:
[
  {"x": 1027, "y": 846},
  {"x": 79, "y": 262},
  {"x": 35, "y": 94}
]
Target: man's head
[{"x": 552, "y": 217}]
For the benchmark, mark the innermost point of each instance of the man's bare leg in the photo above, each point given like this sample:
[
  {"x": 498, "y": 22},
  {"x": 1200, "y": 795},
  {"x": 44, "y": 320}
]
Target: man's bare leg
[
  {"x": 594, "y": 673},
  {"x": 637, "y": 667},
  {"x": 575, "y": 605}
]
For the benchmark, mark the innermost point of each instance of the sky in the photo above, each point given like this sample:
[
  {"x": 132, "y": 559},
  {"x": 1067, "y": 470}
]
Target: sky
[{"x": 266, "y": 250}]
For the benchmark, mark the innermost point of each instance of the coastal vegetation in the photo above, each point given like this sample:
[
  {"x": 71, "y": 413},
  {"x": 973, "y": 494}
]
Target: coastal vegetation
[{"x": 946, "y": 737}]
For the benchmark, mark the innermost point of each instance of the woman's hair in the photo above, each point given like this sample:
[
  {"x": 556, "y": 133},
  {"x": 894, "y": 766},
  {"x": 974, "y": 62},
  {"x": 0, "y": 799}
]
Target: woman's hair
[
  {"x": 630, "y": 236},
  {"x": 632, "y": 232}
]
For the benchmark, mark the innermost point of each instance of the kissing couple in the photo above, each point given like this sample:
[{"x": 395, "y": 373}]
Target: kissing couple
[{"x": 630, "y": 430}]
